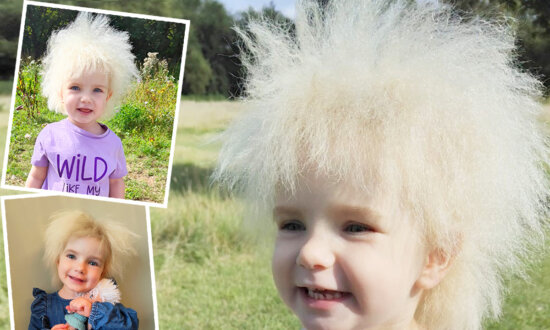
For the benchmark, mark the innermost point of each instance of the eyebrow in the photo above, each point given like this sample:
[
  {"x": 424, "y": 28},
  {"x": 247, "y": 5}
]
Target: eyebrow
[
  {"x": 361, "y": 211},
  {"x": 366, "y": 213},
  {"x": 285, "y": 210}
]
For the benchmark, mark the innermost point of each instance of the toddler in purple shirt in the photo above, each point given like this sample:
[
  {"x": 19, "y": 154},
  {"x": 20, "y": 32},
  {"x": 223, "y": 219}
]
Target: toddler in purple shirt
[{"x": 87, "y": 67}]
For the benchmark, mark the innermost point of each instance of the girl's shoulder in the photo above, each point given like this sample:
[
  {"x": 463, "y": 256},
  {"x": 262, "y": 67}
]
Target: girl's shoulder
[
  {"x": 42, "y": 297},
  {"x": 47, "y": 129},
  {"x": 39, "y": 305}
]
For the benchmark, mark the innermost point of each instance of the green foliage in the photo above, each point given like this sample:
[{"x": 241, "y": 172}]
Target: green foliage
[
  {"x": 129, "y": 119},
  {"x": 198, "y": 72},
  {"x": 40, "y": 22},
  {"x": 29, "y": 95},
  {"x": 151, "y": 104}
]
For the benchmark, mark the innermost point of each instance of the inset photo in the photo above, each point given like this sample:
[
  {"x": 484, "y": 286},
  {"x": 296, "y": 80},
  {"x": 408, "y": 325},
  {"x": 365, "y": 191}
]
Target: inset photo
[
  {"x": 95, "y": 101},
  {"x": 76, "y": 261}
]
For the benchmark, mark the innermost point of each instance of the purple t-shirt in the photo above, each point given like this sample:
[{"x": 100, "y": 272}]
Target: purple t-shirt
[{"x": 78, "y": 161}]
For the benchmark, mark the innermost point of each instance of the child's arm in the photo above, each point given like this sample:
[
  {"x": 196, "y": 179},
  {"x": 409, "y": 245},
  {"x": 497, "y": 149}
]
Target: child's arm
[
  {"x": 36, "y": 177},
  {"x": 116, "y": 188},
  {"x": 107, "y": 315}
]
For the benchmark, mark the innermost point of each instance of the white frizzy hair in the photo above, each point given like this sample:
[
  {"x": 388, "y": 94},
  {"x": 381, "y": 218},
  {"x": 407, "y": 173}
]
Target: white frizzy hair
[
  {"x": 409, "y": 100},
  {"x": 116, "y": 240},
  {"x": 88, "y": 44}
]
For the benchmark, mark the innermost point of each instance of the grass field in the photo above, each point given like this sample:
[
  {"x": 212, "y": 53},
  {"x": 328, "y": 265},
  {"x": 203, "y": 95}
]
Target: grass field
[{"x": 212, "y": 274}]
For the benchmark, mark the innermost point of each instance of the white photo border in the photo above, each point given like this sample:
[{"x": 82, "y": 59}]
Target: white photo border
[
  {"x": 7, "y": 258},
  {"x": 186, "y": 22}
]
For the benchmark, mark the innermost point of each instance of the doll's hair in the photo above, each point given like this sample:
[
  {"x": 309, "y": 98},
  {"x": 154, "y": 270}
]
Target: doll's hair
[
  {"x": 409, "y": 100},
  {"x": 116, "y": 241},
  {"x": 88, "y": 44}
]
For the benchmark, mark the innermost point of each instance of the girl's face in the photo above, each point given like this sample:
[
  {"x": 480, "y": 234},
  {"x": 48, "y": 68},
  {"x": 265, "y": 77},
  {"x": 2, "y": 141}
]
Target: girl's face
[
  {"x": 85, "y": 97},
  {"x": 346, "y": 260},
  {"x": 80, "y": 266}
]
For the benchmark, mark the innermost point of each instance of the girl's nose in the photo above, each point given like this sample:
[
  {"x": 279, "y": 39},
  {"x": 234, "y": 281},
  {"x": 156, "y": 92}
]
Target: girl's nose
[
  {"x": 85, "y": 98},
  {"x": 80, "y": 267},
  {"x": 316, "y": 253}
]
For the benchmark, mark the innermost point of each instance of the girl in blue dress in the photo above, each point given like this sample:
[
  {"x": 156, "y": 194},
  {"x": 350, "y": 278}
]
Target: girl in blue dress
[{"x": 82, "y": 252}]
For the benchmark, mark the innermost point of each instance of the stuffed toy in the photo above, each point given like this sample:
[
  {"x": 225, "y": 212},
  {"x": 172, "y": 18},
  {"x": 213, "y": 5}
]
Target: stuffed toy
[{"x": 105, "y": 291}]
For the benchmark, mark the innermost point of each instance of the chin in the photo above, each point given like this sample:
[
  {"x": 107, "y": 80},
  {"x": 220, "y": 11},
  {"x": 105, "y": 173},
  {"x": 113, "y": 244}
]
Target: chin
[{"x": 320, "y": 323}]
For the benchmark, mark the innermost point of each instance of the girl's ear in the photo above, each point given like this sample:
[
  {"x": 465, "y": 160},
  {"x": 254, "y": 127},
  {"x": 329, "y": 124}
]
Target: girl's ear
[
  {"x": 109, "y": 95},
  {"x": 437, "y": 265}
]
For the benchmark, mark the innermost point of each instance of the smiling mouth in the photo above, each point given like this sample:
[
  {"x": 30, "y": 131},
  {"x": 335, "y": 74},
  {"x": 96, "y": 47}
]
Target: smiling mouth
[
  {"x": 321, "y": 294},
  {"x": 76, "y": 279},
  {"x": 85, "y": 110}
]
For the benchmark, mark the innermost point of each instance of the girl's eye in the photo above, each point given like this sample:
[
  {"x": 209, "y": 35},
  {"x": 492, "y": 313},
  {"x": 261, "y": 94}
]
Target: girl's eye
[
  {"x": 74, "y": 88},
  {"x": 357, "y": 228},
  {"x": 292, "y": 226},
  {"x": 71, "y": 256},
  {"x": 98, "y": 90},
  {"x": 93, "y": 263}
]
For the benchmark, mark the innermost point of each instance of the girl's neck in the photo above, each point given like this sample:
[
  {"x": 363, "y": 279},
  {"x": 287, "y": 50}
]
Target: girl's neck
[
  {"x": 66, "y": 293},
  {"x": 94, "y": 128}
]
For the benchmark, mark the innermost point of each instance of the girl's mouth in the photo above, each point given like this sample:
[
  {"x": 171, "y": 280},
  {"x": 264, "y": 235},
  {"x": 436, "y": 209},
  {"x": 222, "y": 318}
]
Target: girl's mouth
[
  {"x": 321, "y": 294},
  {"x": 85, "y": 110},
  {"x": 76, "y": 279}
]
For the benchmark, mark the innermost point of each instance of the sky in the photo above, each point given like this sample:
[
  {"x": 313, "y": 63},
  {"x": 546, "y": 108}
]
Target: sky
[{"x": 284, "y": 6}]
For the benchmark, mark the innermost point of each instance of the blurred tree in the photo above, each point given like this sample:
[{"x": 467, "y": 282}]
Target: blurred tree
[
  {"x": 241, "y": 21},
  {"x": 40, "y": 22},
  {"x": 212, "y": 27},
  {"x": 146, "y": 36},
  {"x": 212, "y": 66},
  {"x": 532, "y": 25},
  {"x": 10, "y": 18}
]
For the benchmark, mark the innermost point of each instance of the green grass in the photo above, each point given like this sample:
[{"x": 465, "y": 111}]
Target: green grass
[
  {"x": 204, "y": 98},
  {"x": 527, "y": 304}
]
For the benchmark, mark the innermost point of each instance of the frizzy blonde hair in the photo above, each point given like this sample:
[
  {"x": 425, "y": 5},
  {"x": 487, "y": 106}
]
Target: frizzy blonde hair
[
  {"x": 115, "y": 240},
  {"x": 407, "y": 99},
  {"x": 88, "y": 44}
]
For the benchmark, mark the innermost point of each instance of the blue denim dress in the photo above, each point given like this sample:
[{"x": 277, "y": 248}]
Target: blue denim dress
[{"x": 48, "y": 310}]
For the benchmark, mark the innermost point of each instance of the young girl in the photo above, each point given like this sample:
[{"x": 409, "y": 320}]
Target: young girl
[
  {"x": 87, "y": 68},
  {"x": 82, "y": 251},
  {"x": 397, "y": 147}
]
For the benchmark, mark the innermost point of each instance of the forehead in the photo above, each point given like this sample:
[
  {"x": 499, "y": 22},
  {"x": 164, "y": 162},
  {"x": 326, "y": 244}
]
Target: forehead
[
  {"x": 322, "y": 187},
  {"x": 89, "y": 76},
  {"x": 318, "y": 193}
]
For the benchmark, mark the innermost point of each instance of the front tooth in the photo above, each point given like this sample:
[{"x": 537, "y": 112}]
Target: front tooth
[
  {"x": 328, "y": 296},
  {"x": 337, "y": 295}
]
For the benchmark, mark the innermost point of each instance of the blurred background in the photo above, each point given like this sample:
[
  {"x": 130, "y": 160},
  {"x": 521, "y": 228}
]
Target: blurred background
[{"x": 212, "y": 67}]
